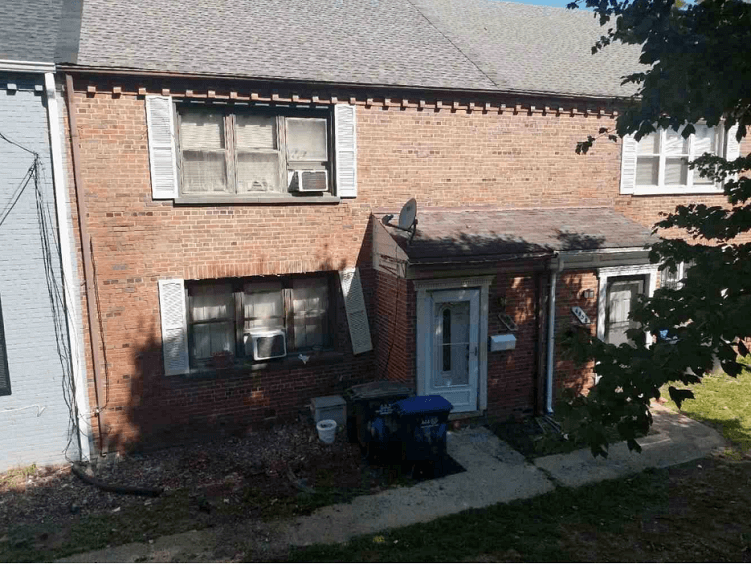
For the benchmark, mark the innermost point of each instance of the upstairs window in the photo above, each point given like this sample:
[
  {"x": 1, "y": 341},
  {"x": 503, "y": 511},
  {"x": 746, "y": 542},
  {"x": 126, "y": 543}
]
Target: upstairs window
[
  {"x": 240, "y": 152},
  {"x": 658, "y": 163}
]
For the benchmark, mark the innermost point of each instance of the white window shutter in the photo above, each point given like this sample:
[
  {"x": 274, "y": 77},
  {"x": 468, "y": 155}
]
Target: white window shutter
[
  {"x": 174, "y": 326},
  {"x": 345, "y": 131},
  {"x": 628, "y": 164},
  {"x": 357, "y": 315},
  {"x": 733, "y": 148},
  {"x": 162, "y": 157}
]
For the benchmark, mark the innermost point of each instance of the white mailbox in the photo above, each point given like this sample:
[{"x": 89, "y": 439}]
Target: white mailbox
[{"x": 505, "y": 342}]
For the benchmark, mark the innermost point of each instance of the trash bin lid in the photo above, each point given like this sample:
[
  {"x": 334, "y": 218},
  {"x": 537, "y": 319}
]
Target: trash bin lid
[
  {"x": 423, "y": 404},
  {"x": 382, "y": 388}
]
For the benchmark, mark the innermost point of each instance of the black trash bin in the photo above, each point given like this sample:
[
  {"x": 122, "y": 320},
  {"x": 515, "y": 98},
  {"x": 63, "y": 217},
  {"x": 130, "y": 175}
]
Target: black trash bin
[
  {"x": 423, "y": 423},
  {"x": 370, "y": 418}
]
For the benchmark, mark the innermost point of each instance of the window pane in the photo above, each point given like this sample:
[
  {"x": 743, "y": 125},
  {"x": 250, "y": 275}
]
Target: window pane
[
  {"x": 255, "y": 132},
  {"x": 204, "y": 172},
  {"x": 207, "y": 305},
  {"x": 211, "y": 302},
  {"x": 676, "y": 171},
  {"x": 306, "y": 139},
  {"x": 212, "y": 338},
  {"x": 201, "y": 129},
  {"x": 258, "y": 172},
  {"x": 263, "y": 306},
  {"x": 646, "y": 171},
  {"x": 705, "y": 140},
  {"x": 649, "y": 145},
  {"x": 675, "y": 144},
  {"x": 310, "y": 303}
]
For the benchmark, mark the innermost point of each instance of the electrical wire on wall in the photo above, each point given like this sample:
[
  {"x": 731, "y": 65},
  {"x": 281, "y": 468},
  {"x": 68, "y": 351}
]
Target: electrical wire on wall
[{"x": 50, "y": 252}]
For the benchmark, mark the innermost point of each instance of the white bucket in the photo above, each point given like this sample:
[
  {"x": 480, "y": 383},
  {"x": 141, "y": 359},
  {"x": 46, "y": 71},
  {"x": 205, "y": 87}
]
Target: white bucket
[{"x": 326, "y": 430}]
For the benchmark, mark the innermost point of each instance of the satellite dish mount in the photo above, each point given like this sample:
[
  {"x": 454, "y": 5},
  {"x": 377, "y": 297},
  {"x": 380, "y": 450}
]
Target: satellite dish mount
[{"x": 407, "y": 219}]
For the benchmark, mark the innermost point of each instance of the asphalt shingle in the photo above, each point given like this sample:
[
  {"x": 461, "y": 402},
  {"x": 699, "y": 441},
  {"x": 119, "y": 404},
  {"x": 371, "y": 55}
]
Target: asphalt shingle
[
  {"x": 463, "y": 234},
  {"x": 446, "y": 44},
  {"x": 29, "y": 30}
]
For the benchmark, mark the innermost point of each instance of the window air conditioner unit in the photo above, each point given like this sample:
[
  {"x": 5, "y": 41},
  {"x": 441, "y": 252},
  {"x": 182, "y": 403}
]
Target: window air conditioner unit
[
  {"x": 309, "y": 181},
  {"x": 262, "y": 345}
]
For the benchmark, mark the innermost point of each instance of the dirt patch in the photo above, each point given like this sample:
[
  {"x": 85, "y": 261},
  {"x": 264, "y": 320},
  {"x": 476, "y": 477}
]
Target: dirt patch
[{"x": 282, "y": 472}]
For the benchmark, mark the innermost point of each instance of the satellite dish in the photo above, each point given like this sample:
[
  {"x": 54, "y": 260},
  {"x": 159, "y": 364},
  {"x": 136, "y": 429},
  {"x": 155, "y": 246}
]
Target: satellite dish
[
  {"x": 407, "y": 219},
  {"x": 407, "y": 215}
]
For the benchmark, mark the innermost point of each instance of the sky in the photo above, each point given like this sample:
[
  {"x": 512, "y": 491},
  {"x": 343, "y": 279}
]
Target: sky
[{"x": 556, "y": 3}]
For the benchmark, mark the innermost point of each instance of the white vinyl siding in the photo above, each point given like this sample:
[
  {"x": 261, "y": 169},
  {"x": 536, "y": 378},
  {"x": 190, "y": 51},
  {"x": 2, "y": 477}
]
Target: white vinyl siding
[{"x": 4, "y": 374}]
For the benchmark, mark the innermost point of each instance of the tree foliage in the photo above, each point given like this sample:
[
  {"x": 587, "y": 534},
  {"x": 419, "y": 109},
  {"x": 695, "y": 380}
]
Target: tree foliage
[{"x": 697, "y": 68}]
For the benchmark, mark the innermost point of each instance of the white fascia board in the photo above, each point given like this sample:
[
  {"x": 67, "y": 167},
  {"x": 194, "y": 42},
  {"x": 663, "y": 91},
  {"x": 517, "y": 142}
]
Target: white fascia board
[{"x": 26, "y": 66}]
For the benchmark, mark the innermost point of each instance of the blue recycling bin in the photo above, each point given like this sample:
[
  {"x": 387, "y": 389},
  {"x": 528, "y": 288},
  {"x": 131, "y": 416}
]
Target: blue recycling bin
[{"x": 423, "y": 422}]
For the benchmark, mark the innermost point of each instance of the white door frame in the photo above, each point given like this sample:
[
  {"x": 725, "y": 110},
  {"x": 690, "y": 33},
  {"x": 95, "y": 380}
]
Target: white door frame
[
  {"x": 424, "y": 322},
  {"x": 649, "y": 271}
]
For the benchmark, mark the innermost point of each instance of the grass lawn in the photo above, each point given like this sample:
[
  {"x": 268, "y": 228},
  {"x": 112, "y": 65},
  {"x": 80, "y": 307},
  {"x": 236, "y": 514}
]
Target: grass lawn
[
  {"x": 700, "y": 511},
  {"x": 722, "y": 402}
]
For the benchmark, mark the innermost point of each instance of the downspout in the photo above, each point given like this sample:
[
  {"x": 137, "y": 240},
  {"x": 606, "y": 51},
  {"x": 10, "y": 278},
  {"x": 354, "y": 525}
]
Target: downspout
[
  {"x": 88, "y": 269},
  {"x": 551, "y": 336},
  {"x": 70, "y": 295}
]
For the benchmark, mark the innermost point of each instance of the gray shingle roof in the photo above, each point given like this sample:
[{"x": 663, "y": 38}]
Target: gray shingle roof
[
  {"x": 534, "y": 48},
  {"x": 29, "y": 30},
  {"x": 343, "y": 41},
  {"x": 452, "y": 44},
  {"x": 464, "y": 234}
]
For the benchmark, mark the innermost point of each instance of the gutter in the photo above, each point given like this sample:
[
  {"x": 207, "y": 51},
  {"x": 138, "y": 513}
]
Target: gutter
[
  {"x": 551, "y": 337},
  {"x": 70, "y": 294},
  {"x": 88, "y": 268},
  {"x": 26, "y": 66}
]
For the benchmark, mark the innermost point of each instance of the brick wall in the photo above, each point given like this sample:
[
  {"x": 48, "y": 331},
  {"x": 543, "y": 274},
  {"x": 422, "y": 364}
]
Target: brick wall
[
  {"x": 34, "y": 418},
  {"x": 517, "y": 157}
]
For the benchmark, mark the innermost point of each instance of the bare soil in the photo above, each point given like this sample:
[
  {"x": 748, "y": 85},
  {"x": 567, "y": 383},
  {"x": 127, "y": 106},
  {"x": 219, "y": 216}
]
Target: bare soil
[{"x": 286, "y": 471}]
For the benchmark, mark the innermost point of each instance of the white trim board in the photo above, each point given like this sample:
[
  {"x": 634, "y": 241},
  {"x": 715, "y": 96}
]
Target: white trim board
[{"x": 26, "y": 66}]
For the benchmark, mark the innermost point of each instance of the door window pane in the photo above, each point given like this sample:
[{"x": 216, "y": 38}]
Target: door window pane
[
  {"x": 621, "y": 296},
  {"x": 452, "y": 345}
]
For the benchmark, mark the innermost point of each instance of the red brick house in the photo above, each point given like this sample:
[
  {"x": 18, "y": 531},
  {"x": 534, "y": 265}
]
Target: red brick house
[{"x": 233, "y": 163}]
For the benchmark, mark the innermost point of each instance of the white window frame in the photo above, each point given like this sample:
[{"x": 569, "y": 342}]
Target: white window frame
[
  {"x": 661, "y": 188},
  {"x": 680, "y": 274},
  {"x": 649, "y": 271}
]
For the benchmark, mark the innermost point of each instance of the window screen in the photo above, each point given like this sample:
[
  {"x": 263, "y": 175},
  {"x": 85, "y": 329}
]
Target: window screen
[
  {"x": 212, "y": 313},
  {"x": 204, "y": 161}
]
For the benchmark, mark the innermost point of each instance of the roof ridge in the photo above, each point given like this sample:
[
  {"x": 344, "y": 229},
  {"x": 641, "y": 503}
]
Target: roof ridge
[{"x": 454, "y": 45}]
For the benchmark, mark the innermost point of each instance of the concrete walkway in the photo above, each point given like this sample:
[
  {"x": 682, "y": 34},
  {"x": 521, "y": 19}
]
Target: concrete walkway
[{"x": 495, "y": 473}]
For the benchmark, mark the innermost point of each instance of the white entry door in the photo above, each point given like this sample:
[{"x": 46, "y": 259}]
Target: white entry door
[
  {"x": 622, "y": 293},
  {"x": 454, "y": 356}
]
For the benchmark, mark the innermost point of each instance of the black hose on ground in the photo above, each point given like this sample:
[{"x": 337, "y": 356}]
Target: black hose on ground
[{"x": 116, "y": 488}]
